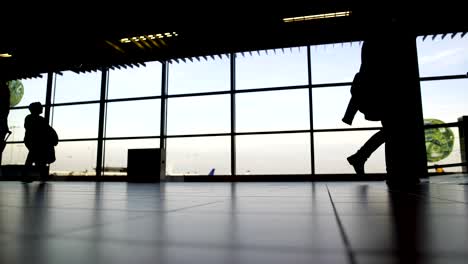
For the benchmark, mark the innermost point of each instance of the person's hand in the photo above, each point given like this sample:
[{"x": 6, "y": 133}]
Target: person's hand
[{"x": 347, "y": 121}]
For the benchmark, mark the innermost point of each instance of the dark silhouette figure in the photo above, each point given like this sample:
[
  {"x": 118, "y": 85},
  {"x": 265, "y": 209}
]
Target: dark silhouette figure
[
  {"x": 40, "y": 139},
  {"x": 365, "y": 100},
  {"x": 385, "y": 89},
  {"x": 4, "y": 111}
]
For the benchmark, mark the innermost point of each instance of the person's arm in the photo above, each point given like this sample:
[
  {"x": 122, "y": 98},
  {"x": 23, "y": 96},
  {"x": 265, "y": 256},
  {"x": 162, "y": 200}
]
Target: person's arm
[{"x": 351, "y": 111}]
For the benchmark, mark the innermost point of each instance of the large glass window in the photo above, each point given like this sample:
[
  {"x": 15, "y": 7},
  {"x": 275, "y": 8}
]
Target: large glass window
[
  {"x": 269, "y": 111},
  {"x": 75, "y": 159},
  {"x": 116, "y": 154},
  {"x": 135, "y": 82},
  {"x": 442, "y": 56},
  {"x": 272, "y": 68},
  {"x": 332, "y": 149},
  {"x": 198, "y": 115},
  {"x": 14, "y": 154},
  {"x": 133, "y": 118},
  {"x": 334, "y": 63},
  {"x": 199, "y": 76},
  {"x": 76, "y": 121},
  {"x": 74, "y": 87},
  {"x": 34, "y": 90},
  {"x": 198, "y": 156},
  {"x": 16, "y": 124},
  {"x": 273, "y": 154},
  {"x": 436, "y": 151},
  {"x": 445, "y": 100},
  {"x": 329, "y": 106}
]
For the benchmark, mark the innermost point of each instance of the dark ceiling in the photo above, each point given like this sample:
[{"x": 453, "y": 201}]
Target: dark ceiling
[{"x": 80, "y": 38}]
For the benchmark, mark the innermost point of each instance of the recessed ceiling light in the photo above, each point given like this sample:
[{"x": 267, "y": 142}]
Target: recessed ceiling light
[{"x": 318, "y": 16}]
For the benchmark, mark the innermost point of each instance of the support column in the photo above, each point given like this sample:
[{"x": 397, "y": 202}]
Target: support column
[
  {"x": 404, "y": 123},
  {"x": 163, "y": 125},
  {"x": 463, "y": 132}
]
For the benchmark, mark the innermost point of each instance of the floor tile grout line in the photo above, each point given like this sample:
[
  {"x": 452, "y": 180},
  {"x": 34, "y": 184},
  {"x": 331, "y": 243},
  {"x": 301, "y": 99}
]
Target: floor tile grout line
[
  {"x": 103, "y": 209},
  {"x": 193, "y": 206},
  {"x": 349, "y": 250},
  {"x": 178, "y": 244},
  {"x": 427, "y": 196},
  {"x": 65, "y": 232}
]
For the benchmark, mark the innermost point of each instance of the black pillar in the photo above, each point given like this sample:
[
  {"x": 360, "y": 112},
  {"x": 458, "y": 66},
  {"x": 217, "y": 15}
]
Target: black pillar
[
  {"x": 163, "y": 124},
  {"x": 463, "y": 131},
  {"x": 404, "y": 123},
  {"x": 102, "y": 116}
]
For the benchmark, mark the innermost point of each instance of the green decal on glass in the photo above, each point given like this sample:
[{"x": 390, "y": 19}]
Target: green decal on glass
[
  {"x": 16, "y": 92},
  {"x": 439, "y": 141}
]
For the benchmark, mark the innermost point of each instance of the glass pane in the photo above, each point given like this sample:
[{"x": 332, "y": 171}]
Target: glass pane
[
  {"x": 73, "y": 87},
  {"x": 271, "y": 68},
  {"x": 76, "y": 121},
  {"x": 329, "y": 104},
  {"x": 442, "y": 56},
  {"x": 34, "y": 90},
  {"x": 273, "y": 154},
  {"x": 198, "y": 115},
  {"x": 116, "y": 153},
  {"x": 453, "y": 157},
  {"x": 334, "y": 63},
  {"x": 16, "y": 124},
  {"x": 14, "y": 154},
  {"x": 332, "y": 149},
  {"x": 198, "y": 156},
  {"x": 133, "y": 118},
  {"x": 75, "y": 159},
  {"x": 445, "y": 100},
  {"x": 135, "y": 82},
  {"x": 199, "y": 76},
  {"x": 270, "y": 111}
]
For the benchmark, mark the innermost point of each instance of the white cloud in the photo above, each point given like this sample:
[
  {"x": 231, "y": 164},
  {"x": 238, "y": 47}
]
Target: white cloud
[{"x": 442, "y": 55}]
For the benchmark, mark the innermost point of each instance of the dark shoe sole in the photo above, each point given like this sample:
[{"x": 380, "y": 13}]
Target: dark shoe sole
[{"x": 358, "y": 168}]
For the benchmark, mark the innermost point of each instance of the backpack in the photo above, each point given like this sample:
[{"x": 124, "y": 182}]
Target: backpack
[
  {"x": 52, "y": 136},
  {"x": 367, "y": 97}
]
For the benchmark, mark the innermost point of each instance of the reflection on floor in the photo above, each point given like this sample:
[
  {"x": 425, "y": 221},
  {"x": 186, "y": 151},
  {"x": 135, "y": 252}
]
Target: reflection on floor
[{"x": 297, "y": 222}]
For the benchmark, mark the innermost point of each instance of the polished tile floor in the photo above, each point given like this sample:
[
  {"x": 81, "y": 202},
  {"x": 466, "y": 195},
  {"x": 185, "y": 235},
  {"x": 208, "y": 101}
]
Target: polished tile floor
[{"x": 181, "y": 222}]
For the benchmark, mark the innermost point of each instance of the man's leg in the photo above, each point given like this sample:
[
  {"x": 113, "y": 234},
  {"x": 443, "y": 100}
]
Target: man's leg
[
  {"x": 28, "y": 168},
  {"x": 43, "y": 170},
  {"x": 358, "y": 159}
]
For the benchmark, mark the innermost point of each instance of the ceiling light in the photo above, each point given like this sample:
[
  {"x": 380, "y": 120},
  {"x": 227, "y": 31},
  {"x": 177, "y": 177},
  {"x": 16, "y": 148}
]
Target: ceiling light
[
  {"x": 319, "y": 16},
  {"x": 149, "y": 37},
  {"x": 5, "y": 55}
]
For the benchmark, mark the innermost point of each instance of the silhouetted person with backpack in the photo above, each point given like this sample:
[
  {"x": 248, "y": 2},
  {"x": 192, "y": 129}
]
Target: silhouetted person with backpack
[
  {"x": 40, "y": 139},
  {"x": 4, "y": 111}
]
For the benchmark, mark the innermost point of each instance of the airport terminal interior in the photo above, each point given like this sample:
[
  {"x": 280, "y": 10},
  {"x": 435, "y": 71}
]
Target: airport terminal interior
[{"x": 189, "y": 138}]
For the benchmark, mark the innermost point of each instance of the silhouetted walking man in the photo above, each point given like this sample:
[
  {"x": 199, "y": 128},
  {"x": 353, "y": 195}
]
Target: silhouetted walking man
[
  {"x": 363, "y": 99},
  {"x": 387, "y": 89},
  {"x": 4, "y": 111},
  {"x": 40, "y": 139}
]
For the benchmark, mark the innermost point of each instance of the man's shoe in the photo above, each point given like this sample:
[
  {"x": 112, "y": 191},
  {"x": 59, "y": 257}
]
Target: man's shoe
[
  {"x": 357, "y": 163},
  {"x": 27, "y": 180}
]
